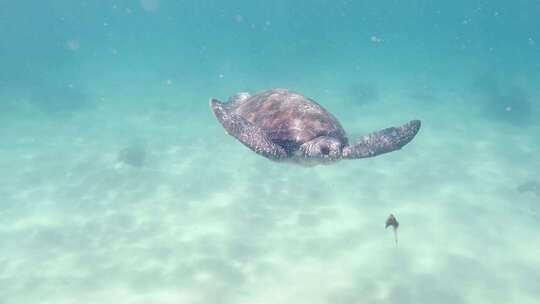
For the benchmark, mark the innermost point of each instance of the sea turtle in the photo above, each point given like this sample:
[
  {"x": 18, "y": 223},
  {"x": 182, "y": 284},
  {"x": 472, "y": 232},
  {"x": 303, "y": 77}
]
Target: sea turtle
[{"x": 283, "y": 125}]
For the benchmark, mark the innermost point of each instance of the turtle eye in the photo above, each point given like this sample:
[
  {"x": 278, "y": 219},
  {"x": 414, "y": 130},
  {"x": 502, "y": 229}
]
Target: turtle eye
[{"x": 325, "y": 150}]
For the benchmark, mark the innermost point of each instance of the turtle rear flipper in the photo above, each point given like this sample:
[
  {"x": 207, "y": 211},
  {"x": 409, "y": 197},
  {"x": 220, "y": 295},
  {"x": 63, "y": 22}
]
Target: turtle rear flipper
[
  {"x": 247, "y": 133},
  {"x": 383, "y": 141}
]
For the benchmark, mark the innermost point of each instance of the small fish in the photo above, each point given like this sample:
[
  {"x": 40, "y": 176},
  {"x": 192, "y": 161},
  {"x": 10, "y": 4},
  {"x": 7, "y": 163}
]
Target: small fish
[{"x": 391, "y": 221}]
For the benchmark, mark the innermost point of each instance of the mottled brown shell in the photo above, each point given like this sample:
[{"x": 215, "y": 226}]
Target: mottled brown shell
[{"x": 289, "y": 118}]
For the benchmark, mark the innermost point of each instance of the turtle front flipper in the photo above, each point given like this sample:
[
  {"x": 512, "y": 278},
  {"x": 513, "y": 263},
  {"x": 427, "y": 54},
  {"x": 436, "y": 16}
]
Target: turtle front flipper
[
  {"x": 383, "y": 141},
  {"x": 247, "y": 133}
]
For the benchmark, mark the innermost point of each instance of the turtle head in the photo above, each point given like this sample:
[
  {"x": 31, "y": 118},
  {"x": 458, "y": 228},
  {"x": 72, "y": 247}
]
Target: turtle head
[{"x": 323, "y": 149}]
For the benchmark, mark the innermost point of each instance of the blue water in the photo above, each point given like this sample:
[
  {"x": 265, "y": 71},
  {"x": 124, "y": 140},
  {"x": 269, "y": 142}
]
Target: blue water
[{"x": 118, "y": 185}]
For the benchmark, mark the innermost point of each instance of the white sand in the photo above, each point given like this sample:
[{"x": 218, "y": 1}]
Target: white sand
[{"x": 207, "y": 221}]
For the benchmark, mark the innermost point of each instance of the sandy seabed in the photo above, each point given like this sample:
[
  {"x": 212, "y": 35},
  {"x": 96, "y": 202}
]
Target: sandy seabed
[{"x": 201, "y": 219}]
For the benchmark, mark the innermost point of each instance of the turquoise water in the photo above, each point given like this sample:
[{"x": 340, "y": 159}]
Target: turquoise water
[{"x": 118, "y": 185}]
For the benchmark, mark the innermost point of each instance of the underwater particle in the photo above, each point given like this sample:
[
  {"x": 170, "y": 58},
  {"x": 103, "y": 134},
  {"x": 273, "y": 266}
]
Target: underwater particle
[
  {"x": 266, "y": 25},
  {"x": 168, "y": 82},
  {"x": 72, "y": 45},
  {"x": 238, "y": 18},
  {"x": 376, "y": 39},
  {"x": 530, "y": 41},
  {"x": 495, "y": 14},
  {"x": 149, "y": 5},
  {"x": 505, "y": 103},
  {"x": 221, "y": 76},
  {"x": 392, "y": 221}
]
